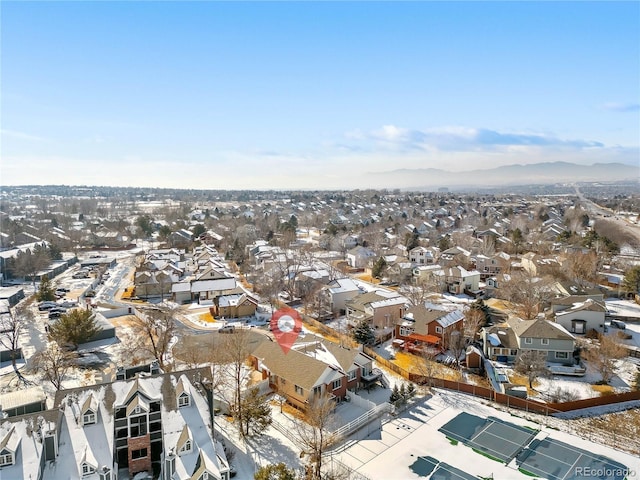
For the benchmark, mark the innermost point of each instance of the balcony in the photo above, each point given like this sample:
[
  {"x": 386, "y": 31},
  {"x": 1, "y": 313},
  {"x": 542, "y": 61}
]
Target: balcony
[{"x": 372, "y": 376}]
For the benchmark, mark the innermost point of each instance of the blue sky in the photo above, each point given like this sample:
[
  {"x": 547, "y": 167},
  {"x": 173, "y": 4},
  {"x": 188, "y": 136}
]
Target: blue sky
[{"x": 311, "y": 95}]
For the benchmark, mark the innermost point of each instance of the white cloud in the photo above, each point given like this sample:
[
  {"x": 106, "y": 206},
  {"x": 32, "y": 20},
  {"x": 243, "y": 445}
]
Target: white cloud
[{"x": 21, "y": 135}]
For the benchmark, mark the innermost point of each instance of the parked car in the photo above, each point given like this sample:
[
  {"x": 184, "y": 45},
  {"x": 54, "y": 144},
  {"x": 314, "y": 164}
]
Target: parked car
[
  {"x": 68, "y": 304},
  {"x": 55, "y": 314},
  {"x": 47, "y": 305},
  {"x": 227, "y": 329},
  {"x": 618, "y": 324}
]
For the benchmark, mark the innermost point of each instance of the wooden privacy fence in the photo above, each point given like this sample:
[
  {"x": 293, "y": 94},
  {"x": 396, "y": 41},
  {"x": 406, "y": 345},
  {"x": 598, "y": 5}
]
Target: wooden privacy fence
[{"x": 492, "y": 395}]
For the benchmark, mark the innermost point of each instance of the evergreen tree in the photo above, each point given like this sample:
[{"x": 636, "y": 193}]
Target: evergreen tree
[
  {"x": 378, "y": 268},
  {"x": 256, "y": 413},
  {"x": 395, "y": 395},
  {"x": 363, "y": 333},
  {"x": 46, "y": 292},
  {"x": 74, "y": 327},
  {"x": 275, "y": 472},
  {"x": 631, "y": 282}
]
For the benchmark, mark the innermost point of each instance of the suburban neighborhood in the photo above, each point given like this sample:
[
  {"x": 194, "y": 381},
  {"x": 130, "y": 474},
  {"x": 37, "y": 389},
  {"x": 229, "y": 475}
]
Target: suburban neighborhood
[{"x": 137, "y": 342}]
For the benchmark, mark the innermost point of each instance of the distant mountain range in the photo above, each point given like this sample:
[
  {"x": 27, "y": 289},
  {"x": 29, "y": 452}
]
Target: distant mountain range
[{"x": 532, "y": 174}]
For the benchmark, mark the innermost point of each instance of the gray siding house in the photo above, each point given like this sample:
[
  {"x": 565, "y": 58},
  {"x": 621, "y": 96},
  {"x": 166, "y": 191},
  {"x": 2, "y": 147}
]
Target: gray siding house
[{"x": 504, "y": 342}]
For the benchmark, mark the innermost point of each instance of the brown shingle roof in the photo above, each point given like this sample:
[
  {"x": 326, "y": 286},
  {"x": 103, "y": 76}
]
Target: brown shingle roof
[
  {"x": 539, "y": 329},
  {"x": 293, "y": 366}
]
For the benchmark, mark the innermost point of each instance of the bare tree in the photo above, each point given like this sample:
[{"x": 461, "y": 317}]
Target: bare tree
[
  {"x": 417, "y": 294},
  {"x": 427, "y": 367},
  {"x": 235, "y": 349},
  {"x": 474, "y": 319},
  {"x": 29, "y": 263},
  {"x": 454, "y": 341},
  {"x": 316, "y": 432},
  {"x": 12, "y": 325},
  {"x": 529, "y": 293},
  {"x": 583, "y": 267},
  {"x": 54, "y": 363},
  {"x": 604, "y": 356},
  {"x": 532, "y": 364},
  {"x": 151, "y": 337}
]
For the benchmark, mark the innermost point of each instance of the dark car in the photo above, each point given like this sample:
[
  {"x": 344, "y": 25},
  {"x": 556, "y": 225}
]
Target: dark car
[
  {"x": 618, "y": 324},
  {"x": 47, "y": 306},
  {"x": 55, "y": 314}
]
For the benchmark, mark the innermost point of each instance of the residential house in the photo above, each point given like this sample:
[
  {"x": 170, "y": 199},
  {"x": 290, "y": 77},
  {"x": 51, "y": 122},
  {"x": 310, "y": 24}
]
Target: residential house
[
  {"x": 313, "y": 367},
  {"x": 236, "y": 305},
  {"x": 493, "y": 284},
  {"x": 151, "y": 284},
  {"x": 338, "y": 292},
  {"x": 180, "y": 238},
  {"x": 422, "y": 256},
  {"x": 536, "y": 264},
  {"x": 455, "y": 256},
  {"x": 458, "y": 281},
  {"x": 492, "y": 265},
  {"x": 360, "y": 257},
  {"x": 381, "y": 309},
  {"x": 580, "y": 314},
  {"x": 424, "y": 327},
  {"x": 429, "y": 275},
  {"x": 504, "y": 342}
]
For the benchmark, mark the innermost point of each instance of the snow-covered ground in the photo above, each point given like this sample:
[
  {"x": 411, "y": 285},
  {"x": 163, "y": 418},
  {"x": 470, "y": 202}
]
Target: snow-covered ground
[{"x": 389, "y": 453}]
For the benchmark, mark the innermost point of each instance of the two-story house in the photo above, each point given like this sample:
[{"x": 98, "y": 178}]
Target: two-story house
[
  {"x": 490, "y": 266},
  {"x": 580, "y": 313},
  {"x": 338, "y": 292},
  {"x": 504, "y": 342},
  {"x": 422, "y": 327},
  {"x": 313, "y": 367},
  {"x": 458, "y": 280},
  {"x": 381, "y": 309},
  {"x": 422, "y": 256}
]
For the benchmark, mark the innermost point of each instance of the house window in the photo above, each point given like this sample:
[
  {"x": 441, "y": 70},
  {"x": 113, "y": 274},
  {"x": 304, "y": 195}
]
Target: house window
[
  {"x": 87, "y": 469},
  {"x": 89, "y": 418},
  {"x": 136, "y": 454},
  {"x": 186, "y": 448},
  {"x": 545, "y": 341},
  {"x": 204, "y": 476},
  {"x": 299, "y": 390},
  {"x": 528, "y": 341},
  {"x": 405, "y": 331},
  {"x": 513, "y": 352},
  {"x": 138, "y": 426},
  {"x": 105, "y": 475},
  {"x": 6, "y": 459},
  {"x": 562, "y": 355},
  {"x": 184, "y": 400},
  {"x": 337, "y": 384},
  {"x": 438, "y": 329},
  {"x": 317, "y": 390},
  {"x": 352, "y": 375}
]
